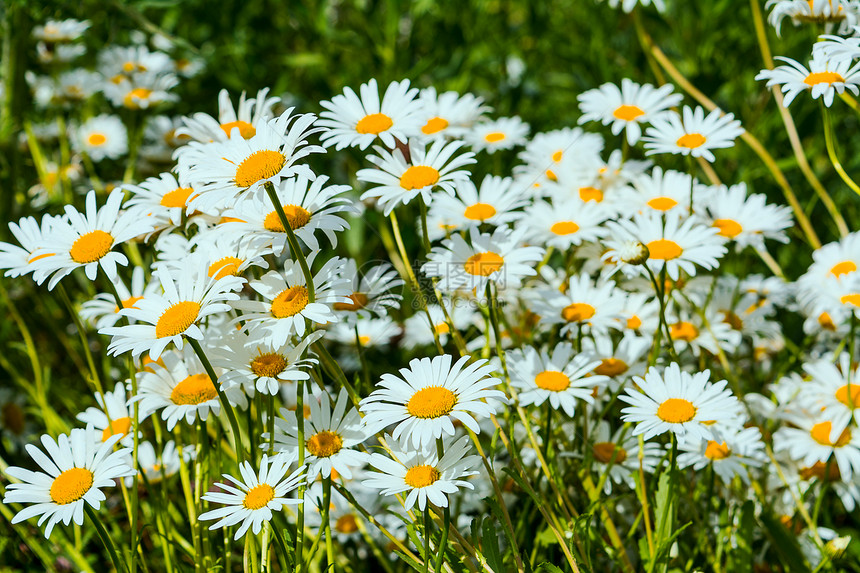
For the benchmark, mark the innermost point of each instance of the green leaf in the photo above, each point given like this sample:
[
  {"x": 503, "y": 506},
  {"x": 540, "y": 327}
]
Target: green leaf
[
  {"x": 548, "y": 567},
  {"x": 783, "y": 543},
  {"x": 741, "y": 557},
  {"x": 490, "y": 543}
]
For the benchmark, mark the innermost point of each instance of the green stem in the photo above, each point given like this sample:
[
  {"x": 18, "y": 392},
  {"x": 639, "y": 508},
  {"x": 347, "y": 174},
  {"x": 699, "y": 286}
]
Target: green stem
[
  {"x": 118, "y": 564},
  {"x": 329, "y": 546},
  {"x": 295, "y": 248},
  {"x": 83, "y": 335},
  {"x": 225, "y": 403},
  {"x": 427, "y": 538},
  {"x": 831, "y": 151},
  {"x": 300, "y": 436},
  {"x": 446, "y": 519}
]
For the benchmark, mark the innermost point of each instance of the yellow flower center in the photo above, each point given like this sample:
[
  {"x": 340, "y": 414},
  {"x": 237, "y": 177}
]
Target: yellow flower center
[
  {"x": 556, "y": 157},
  {"x": 418, "y": 177},
  {"x": 591, "y": 194},
  {"x": 634, "y": 322},
  {"x": 374, "y": 123},
  {"x": 91, "y": 247},
  {"x": 826, "y": 322},
  {"x": 359, "y": 301},
  {"x": 421, "y": 476},
  {"x": 628, "y": 112},
  {"x": 479, "y": 211},
  {"x": 664, "y": 249},
  {"x": 177, "y": 318},
  {"x": 246, "y": 130},
  {"x": 297, "y": 217},
  {"x": 118, "y": 426},
  {"x": 442, "y": 328},
  {"x": 734, "y": 321},
  {"x": 823, "y": 78},
  {"x": 346, "y": 524},
  {"x": 683, "y": 331},
  {"x": 193, "y": 390},
  {"x": 552, "y": 380},
  {"x": 268, "y": 364},
  {"x": 819, "y": 470},
  {"x": 434, "y": 125},
  {"x": 132, "y": 98},
  {"x": 96, "y": 139},
  {"x": 843, "y": 268},
  {"x": 604, "y": 451},
  {"x": 259, "y": 165},
  {"x": 259, "y": 496},
  {"x": 225, "y": 266},
  {"x": 564, "y": 228},
  {"x": 550, "y": 174},
  {"x": 176, "y": 198},
  {"x": 364, "y": 340},
  {"x": 717, "y": 451},
  {"x": 577, "y": 312},
  {"x": 852, "y": 299},
  {"x": 676, "y": 411},
  {"x": 691, "y": 140},
  {"x": 484, "y": 264},
  {"x": 611, "y": 367},
  {"x": 728, "y": 228},
  {"x": 431, "y": 402},
  {"x": 849, "y": 395},
  {"x": 821, "y": 433},
  {"x": 325, "y": 444},
  {"x": 662, "y": 203},
  {"x": 71, "y": 485},
  {"x": 290, "y": 302}
]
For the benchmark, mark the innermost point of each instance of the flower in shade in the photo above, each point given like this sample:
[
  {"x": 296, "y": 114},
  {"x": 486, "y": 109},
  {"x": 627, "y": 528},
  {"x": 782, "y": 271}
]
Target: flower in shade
[{"x": 74, "y": 469}]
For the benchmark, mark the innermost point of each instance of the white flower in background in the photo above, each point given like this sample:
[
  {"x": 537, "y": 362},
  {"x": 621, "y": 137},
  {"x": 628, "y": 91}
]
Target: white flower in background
[
  {"x": 627, "y": 108},
  {"x": 101, "y": 137},
  {"x": 692, "y": 133},
  {"x": 824, "y": 78}
]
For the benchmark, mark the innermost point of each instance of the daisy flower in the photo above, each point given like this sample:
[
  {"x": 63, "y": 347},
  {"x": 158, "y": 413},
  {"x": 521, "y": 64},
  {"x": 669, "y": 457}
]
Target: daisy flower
[
  {"x": 430, "y": 396},
  {"x": 730, "y": 456},
  {"x": 418, "y": 331},
  {"x": 101, "y": 137},
  {"x": 400, "y": 179},
  {"x": 836, "y": 388},
  {"x": 222, "y": 171},
  {"x": 157, "y": 466},
  {"x": 627, "y": 108},
  {"x": 141, "y": 91},
  {"x": 676, "y": 243},
  {"x": 332, "y": 436},
  {"x": 493, "y": 135},
  {"x": 708, "y": 333},
  {"x": 360, "y": 334},
  {"x": 113, "y": 416},
  {"x": 74, "y": 470},
  {"x": 624, "y": 455},
  {"x": 246, "y": 117},
  {"x": 566, "y": 222},
  {"x": 692, "y": 133},
  {"x": 688, "y": 405},
  {"x": 373, "y": 291},
  {"x": 494, "y": 203},
  {"x": 448, "y": 114},
  {"x": 181, "y": 387},
  {"x": 824, "y": 77},
  {"x": 620, "y": 361},
  {"x": 746, "y": 219},
  {"x": 562, "y": 376},
  {"x": 30, "y": 234},
  {"x": 816, "y": 439},
  {"x": 499, "y": 258},
  {"x": 190, "y": 295},
  {"x": 554, "y": 154},
  {"x": 661, "y": 192},
  {"x": 837, "y": 48},
  {"x": 309, "y": 207},
  {"x": 87, "y": 240},
  {"x": 357, "y": 122},
  {"x": 163, "y": 198},
  {"x": 583, "y": 304},
  {"x": 838, "y": 261},
  {"x": 116, "y": 62},
  {"x": 251, "y": 499},
  {"x": 828, "y": 12},
  {"x": 230, "y": 254},
  {"x": 422, "y": 475},
  {"x": 58, "y": 31},
  {"x": 286, "y": 305},
  {"x": 253, "y": 365}
]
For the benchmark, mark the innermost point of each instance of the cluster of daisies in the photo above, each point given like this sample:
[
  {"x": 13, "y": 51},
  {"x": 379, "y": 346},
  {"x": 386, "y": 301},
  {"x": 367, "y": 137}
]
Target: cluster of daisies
[
  {"x": 136, "y": 78},
  {"x": 575, "y": 316}
]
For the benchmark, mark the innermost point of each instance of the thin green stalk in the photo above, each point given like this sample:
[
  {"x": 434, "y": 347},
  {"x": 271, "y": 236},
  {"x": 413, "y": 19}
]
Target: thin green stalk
[
  {"x": 300, "y": 510},
  {"x": 118, "y": 563},
  {"x": 326, "y": 520},
  {"x": 446, "y": 519},
  {"x": 225, "y": 403},
  {"x": 82, "y": 333},
  {"x": 427, "y": 521},
  {"x": 831, "y": 150},
  {"x": 295, "y": 248}
]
